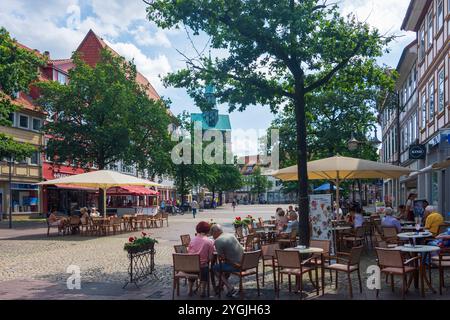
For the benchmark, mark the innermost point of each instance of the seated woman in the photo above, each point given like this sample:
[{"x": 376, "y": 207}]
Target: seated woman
[
  {"x": 281, "y": 220},
  {"x": 204, "y": 247},
  {"x": 53, "y": 220},
  {"x": 84, "y": 215}
]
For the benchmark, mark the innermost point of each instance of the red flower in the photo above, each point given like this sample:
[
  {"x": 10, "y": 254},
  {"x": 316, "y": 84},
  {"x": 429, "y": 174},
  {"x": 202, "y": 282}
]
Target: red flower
[
  {"x": 238, "y": 218},
  {"x": 144, "y": 234},
  {"x": 130, "y": 239}
]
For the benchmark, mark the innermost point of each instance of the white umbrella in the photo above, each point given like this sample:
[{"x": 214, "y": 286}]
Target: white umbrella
[{"x": 102, "y": 179}]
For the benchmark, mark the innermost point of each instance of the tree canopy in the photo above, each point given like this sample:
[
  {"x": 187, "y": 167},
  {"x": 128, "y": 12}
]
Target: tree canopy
[
  {"x": 103, "y": 116},
  {"x": 277, "y": 52},
  {"x": 19, "y": 68}
]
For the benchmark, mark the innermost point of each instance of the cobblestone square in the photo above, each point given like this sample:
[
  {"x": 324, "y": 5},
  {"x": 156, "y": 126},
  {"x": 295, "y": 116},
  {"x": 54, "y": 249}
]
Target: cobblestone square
[{"x": 34, "y": 266}]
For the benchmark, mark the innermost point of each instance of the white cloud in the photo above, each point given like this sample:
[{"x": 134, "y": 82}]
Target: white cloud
[
  {"x": 151, "y": 68},
  {"x": 144, "y": 37}
]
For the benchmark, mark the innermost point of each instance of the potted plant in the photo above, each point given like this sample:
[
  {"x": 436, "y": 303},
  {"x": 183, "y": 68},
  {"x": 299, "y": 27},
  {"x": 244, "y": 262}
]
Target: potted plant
[{"x": 144, "y": 243}]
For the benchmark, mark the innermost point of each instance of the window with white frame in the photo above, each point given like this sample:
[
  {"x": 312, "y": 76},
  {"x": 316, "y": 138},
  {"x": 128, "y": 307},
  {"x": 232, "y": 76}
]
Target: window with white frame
[
  {"x": 440, "y": 15},
  {"x": 431, "y": 98},
  {"x": 424, "y": 110},
  {"x": 35, "y": 158},
  {"x": 37, "y": 124},
  {"x": 441, "y": 89},
  {"x": 430, "y": 28},
  {"x": 61, "y": 78},
  {"x": 422, "y": 43},
  {"x": 23, "y": 121}
]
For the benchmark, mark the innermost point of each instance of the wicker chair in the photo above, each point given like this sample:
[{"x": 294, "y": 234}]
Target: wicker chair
[
  {"x": 180, "y": 248},
  {"x": 357, "y": 239},
  {"x": 165, "y": 216},
  {"x": 251, "y": 242},
  {"x": 391, "y": 262},
  {"x": 185, "y": 266},
  {"x": 289, "y": 242},
  {"x": 116, "y": 224},
  {"x": 269, "y": 260},
  {"x": 139, "y": 222},
  {"x": 325, "y": 246},
  {"x": 348, "y": 263},
  {"x": 291, "y": 264},
  {"x": 442, "y": 262},
  {"x": 248, "y": 267},
  {"x": 390, "y": 235},
  {"x": 185, "y": 240}
]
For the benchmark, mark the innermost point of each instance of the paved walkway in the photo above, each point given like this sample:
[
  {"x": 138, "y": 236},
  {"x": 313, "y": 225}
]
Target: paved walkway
[{"x": 34, "y": 266}]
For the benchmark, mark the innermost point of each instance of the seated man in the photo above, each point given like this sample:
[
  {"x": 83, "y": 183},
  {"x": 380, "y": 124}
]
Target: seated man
[
  {"x": 229, "y": 249},
  {"x": 434, "y": 219},
  {"x": 390, "y": 221},
  {"x": 292, "y": 224}
]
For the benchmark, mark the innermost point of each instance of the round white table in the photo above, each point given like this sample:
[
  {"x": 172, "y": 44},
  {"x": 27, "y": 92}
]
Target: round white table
[
  {"x": 304, "y": 250},
  {"x": 422, "y": 251},
  {"x": 414, "y": 235}
]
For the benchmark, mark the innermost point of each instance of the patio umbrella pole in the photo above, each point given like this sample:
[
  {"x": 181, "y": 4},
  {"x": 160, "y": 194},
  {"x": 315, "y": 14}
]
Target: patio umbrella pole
[
  {"x": 104, "y": 202},
  {"x": 337, "y": 212}
]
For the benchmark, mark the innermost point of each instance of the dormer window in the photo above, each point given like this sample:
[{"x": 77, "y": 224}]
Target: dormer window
[{"x": 62, "y": 78}]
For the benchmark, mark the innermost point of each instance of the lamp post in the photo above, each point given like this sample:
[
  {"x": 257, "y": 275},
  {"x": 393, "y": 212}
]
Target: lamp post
[
  {"x": 10, "y": 162},
  {"x": 353, "y": 144}
]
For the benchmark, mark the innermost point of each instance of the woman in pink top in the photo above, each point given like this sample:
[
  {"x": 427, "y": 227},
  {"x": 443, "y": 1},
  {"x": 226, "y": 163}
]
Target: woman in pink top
[{"x": 204, "y": 247}]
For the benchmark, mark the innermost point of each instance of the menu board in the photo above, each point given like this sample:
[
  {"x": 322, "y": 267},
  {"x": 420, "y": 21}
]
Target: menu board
[{"x": 320, "y": 216}]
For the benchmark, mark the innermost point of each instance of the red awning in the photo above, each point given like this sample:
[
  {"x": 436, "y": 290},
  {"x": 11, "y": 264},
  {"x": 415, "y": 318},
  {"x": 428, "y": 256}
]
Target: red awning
[
  {"x": 131, "y": 190},
  {"x": 73, "y": 187}
]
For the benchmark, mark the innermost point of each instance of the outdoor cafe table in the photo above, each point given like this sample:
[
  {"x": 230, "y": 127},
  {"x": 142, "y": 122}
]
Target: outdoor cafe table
[
  {"x": 413, "y": 236},
  {"x": 402, "y": 222},
  {"x": 312, "y": 250},
  {"x": 422, "y": 252},
  {"x": 410, "y": 228}
]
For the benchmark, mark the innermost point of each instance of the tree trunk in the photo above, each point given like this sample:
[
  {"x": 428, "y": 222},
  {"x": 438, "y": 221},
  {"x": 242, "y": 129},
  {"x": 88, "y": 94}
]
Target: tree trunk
[
  {"x": 101, "y": 209},
  {"x": 302, "y": 157}
]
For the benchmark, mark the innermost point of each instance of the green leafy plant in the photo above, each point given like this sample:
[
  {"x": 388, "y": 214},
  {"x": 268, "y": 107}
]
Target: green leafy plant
[{"x": 142, "y": 243}]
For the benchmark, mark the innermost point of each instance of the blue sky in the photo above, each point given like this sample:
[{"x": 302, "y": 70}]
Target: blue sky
[{"x": 59, "y": 26}]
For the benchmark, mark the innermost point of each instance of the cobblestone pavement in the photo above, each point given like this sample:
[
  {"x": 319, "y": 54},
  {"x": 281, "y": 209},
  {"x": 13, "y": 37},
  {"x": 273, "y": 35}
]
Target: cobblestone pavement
[{"x": 33, "y": 266}]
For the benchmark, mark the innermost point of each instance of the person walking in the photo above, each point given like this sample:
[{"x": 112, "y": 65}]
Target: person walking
[
  {"x": 194, "y": 206},
  {"x": 234, "y": 205}
]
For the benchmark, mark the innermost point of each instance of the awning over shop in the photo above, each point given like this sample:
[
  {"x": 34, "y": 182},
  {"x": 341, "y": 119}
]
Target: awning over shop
[{"x": 131, "y": 190}]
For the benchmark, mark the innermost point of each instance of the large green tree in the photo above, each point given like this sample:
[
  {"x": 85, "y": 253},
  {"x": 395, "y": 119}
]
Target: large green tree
[
  {"x": 278, "y": 52},
  {"x": 258, "y": 183},
  {"x": 19, "y": 68},
  {"x": 103, "y": 116}
]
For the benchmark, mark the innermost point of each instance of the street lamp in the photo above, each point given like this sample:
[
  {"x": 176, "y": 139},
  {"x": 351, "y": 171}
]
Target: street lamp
[{"x": 353, "y": 143}]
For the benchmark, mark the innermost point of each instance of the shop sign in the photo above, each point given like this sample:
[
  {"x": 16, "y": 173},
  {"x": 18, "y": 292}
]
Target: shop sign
[
  {"x": 417, "y": 151},
  {"x": 58, "y": 175}
]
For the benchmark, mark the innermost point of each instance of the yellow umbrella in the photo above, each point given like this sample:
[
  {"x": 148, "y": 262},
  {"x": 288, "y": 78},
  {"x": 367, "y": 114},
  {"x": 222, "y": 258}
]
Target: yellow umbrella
[
  {"x": 343, "y": 168},
  {"x": 102, "y": 179}
]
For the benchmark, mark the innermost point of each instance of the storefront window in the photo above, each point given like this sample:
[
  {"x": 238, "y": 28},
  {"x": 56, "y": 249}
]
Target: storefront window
[
  {"x": 24, "y": 198},
  {"x": 434, "y": 189}
]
